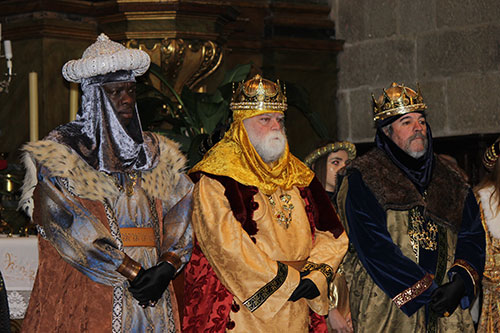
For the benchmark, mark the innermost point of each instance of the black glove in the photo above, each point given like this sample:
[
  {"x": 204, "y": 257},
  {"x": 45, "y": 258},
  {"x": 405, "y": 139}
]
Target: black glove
[
  {"x": 445, "y": 299},
  {"x": 306, "y": 289},
  {"x": 150, "y": 284}
]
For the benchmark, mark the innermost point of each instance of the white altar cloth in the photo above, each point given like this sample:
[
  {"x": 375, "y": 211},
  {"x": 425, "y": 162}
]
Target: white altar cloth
[{"x": 18, "y": 264}]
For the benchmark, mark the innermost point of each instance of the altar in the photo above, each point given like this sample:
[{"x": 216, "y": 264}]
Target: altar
[{"x": 18, "y": 264}]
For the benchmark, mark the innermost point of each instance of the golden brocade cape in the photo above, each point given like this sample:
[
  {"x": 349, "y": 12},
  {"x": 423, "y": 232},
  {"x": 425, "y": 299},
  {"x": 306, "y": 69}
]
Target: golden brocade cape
[
  {"x": 489, "y": 321},
  {"x": 235, "y": 157}
]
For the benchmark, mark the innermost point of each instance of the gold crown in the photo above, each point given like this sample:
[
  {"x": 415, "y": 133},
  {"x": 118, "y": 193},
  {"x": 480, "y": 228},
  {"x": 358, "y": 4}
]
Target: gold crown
[
  {"x": 259, "y": 94},
  {"x": 397, "y": 100}
]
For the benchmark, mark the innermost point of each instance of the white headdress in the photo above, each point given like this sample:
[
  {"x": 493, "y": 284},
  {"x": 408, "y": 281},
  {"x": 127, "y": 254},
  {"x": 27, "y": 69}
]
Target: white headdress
[{"x": 103, "y": 57}]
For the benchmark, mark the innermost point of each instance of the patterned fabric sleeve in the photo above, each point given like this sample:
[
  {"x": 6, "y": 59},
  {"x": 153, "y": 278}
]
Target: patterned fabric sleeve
[
  {"x": 79, "y": 237},
  {"x": 327, "y": 254},
  {"x": 177, "y": 243},
  {"x": 470, "y": 252}
]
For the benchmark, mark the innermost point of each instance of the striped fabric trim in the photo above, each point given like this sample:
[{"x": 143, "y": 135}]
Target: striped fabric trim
[
  {"x": 257, "y": 299},
  {"x": 414, "y": 291}
]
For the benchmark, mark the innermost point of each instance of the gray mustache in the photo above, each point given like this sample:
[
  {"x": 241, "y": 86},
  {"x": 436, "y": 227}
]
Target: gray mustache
[{"x": 415, "y": 136}]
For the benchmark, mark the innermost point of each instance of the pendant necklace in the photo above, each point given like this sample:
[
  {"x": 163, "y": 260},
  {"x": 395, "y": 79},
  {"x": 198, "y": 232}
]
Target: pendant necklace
[{"x": 284, "y": 215}]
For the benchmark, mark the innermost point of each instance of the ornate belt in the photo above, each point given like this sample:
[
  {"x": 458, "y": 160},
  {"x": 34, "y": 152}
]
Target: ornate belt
[{"x": 138, "y": 237}]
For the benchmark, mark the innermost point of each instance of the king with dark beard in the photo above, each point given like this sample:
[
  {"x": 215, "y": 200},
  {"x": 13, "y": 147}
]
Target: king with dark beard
[{"x": 417, "y": 243}]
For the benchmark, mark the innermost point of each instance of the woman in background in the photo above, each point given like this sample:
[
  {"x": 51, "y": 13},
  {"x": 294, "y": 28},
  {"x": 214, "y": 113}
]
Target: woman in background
[
  {"x": 488, "y": 192},
  {"x": 326, "y": 161}
]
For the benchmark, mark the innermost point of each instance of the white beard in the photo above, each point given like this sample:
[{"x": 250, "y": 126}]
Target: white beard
[{"x": 271, "y": 147}]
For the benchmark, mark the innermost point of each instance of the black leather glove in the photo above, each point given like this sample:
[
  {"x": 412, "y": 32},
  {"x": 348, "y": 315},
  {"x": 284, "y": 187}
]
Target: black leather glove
[
  {"x": 445, "y": 299},
  {"x": 150, "y": 284},
  {"x": 305, "y": 289}
]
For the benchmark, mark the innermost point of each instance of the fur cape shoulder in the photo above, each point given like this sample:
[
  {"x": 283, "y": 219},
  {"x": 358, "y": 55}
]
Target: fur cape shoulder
[
  {"x": 446, "y": 192},
  {"x": 86, "y": 182}
]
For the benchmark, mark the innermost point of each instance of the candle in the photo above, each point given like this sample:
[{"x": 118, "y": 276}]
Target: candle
[
  {"x": 9, "y": 186},
  {"x": 73, "y": 101},
  {"x": 33, "y": 89},
  {"x": 8, "y": 49}
]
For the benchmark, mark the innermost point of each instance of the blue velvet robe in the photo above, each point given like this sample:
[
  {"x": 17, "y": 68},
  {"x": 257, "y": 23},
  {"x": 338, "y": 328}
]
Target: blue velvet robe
[
  {"x": 388, "y": 267},
  {"x": 374, "y": 201}
]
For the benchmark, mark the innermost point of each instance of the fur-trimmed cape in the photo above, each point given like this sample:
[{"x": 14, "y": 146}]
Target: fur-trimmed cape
[
  {"x": 63, "y": 299},
  {"x": 446, "y": 192},
  {"x": 90, "y": 184}
]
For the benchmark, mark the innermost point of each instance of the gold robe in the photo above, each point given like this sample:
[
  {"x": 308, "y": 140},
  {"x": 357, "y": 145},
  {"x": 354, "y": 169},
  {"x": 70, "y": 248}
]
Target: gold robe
[{"x": 244, "y": 267}]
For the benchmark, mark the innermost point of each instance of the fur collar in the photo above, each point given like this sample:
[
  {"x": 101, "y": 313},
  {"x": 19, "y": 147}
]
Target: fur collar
[
  {"x": 490, "y": 211},
  {"x": 86, "y": 182},
  {"x": 445, "y": 195}
]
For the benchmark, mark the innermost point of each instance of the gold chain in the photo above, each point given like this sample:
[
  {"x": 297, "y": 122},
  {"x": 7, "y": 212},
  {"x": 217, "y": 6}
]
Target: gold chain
[
  {"x": 421, "y": 231},
  {"x": 129, "y": 184},
  {"x": 283, "y": 216}
]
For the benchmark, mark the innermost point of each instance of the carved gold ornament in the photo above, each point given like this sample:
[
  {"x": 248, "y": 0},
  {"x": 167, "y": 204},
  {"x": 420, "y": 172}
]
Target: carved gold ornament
[{"x": 184, "y": 62}]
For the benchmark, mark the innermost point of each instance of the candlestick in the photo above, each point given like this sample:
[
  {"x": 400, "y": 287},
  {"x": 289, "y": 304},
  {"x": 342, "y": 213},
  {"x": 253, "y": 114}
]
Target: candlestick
[
  {"x": 33, "y": 90},
  {"x": 73, "y": 100}
]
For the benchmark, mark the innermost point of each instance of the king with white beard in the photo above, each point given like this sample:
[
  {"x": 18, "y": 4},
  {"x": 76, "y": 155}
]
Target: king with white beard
[
  {"x": 268, "y": 239},
  {"x": 267, "y": 135}
]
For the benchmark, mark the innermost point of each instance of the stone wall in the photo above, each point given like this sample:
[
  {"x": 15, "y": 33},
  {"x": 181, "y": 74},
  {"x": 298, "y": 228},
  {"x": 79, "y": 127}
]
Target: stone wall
[{"x": 452, "y": 48}]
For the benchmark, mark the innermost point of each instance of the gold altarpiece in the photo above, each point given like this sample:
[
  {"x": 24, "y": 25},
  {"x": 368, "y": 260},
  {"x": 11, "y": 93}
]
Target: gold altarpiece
[
  {"x": 185, "y": 62},
  {"x": 193, "y": 41}
]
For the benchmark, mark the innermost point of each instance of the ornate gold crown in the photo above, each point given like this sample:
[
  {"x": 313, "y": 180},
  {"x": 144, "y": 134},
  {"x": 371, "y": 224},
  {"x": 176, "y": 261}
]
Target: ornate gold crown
[
  {"x": 259, "y": 94},
  {"x": 397, "y": 100}
]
